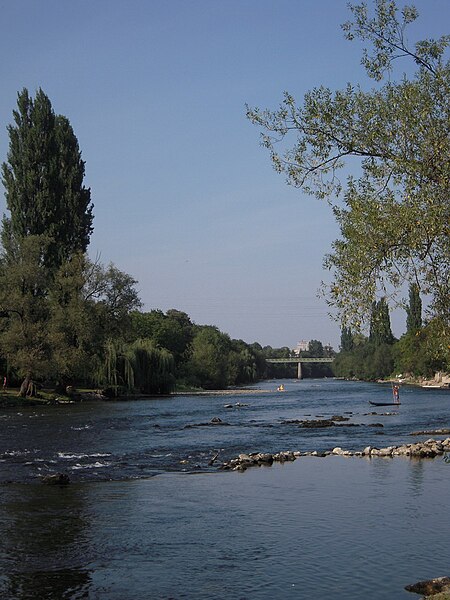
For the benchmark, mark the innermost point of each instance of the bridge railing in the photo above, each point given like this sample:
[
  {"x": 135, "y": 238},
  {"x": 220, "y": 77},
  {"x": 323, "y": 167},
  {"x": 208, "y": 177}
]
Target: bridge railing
[{"x": 299, "y": 359}]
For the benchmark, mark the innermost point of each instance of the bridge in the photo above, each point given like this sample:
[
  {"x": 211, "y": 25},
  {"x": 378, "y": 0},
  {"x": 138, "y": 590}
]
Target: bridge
[{"x": 299, "y": 360}]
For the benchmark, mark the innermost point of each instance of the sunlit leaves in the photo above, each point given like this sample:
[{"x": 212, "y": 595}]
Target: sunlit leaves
[{"x": 394, "y": 211}]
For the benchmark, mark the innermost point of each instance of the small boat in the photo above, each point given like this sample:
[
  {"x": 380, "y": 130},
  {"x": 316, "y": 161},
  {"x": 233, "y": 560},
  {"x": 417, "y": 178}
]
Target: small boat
[
  {"x": 280, "y": 388},
  {"x": 384, "y": 403},
  {"x": 396, "y": 398}
]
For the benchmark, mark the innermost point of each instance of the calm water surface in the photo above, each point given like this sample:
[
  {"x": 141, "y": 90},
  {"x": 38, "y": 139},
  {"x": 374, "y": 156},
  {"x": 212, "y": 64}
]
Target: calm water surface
[{"x": 334, "y": 527}]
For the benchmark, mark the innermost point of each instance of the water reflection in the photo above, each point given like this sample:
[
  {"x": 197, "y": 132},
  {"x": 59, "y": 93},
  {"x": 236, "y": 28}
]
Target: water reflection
[
  {"x": 43, "y": 546},
  {"x": 416, "y": 475}
]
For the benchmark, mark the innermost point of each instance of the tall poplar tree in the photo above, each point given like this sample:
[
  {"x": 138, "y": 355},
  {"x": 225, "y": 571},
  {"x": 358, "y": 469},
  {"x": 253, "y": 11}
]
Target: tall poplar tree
[
  {"x": 43, "y": 180},
  {"x": 347, "y": 342},
  {"x": 380, "y": 324},
  {"x": 414, "y": 310}
]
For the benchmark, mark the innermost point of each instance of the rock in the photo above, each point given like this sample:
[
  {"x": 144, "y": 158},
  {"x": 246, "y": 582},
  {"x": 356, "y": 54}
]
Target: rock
[
  {"x": 317, "y": 423},
  {"x": 367, "y": 451},
  {"x": 216, "y": 421},
  {"x": 56, "y": 479},
  {"x": 284, "y": 456},
  {"x": 385, "y": 451},
  {"x": 339, "y": 418},
  {"x": 430, "y": 587},
  {"x": 401, "y": 450},
  {"x": 431, "y": 432},
  {"x": 264, "y": 458},
  {"x": 339, "y": 452},
  {"x": 228, "y": 406}
]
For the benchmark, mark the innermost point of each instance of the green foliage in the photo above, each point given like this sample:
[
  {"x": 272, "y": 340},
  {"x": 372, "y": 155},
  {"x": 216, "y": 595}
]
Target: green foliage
[
  {"x": 208, "y": 362},
  {"x": 173, "y": 330},
  {"x": 380, "y": 324},
  {"x": 43, "y": 179},
  {"x": 346, "y": 340},
  {"x": 139, "y": 366},
  {"x": 53, "y": 325},
  {"x": 420, "y": 352},
  {"x": 366, "y": 361},
  {"x": 394, "y": 218},
  {"x": 25, "y": 311},
  {"x": 315, "y": 349},
  {"x": 414, "y": 310}
]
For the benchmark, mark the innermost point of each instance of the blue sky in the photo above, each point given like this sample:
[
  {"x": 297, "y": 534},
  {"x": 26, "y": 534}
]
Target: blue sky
[{"x": 185, "y": 199}]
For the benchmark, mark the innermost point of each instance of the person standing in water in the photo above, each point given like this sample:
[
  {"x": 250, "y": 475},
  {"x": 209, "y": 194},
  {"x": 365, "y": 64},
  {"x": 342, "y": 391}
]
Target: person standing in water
[{"x": 396, "y": 393}]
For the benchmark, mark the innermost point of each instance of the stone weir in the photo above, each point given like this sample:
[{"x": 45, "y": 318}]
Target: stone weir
[{"x": 427, "y": 449}]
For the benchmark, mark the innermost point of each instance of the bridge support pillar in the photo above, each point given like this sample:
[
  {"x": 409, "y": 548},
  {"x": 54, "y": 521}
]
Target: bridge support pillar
[{"x": 299, "y": 370}]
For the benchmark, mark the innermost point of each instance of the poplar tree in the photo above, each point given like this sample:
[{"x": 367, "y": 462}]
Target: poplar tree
[
  {"x": 347, "y": 342},
  {"x": 43, "y": 180},
  {"x": 414, "y": 310},
  {"x": 380, "y": 324}
]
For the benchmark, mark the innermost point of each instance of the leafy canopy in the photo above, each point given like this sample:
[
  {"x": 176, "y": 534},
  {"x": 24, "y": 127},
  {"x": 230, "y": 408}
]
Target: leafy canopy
[{"x": 394, "y": 216}]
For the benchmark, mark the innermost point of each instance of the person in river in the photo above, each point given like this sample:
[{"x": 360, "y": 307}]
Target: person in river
[{"x": 396, "y": 393}]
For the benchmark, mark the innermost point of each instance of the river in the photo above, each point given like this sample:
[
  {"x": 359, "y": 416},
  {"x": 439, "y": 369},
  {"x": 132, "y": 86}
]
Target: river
[{"x": 319, "y": 527}]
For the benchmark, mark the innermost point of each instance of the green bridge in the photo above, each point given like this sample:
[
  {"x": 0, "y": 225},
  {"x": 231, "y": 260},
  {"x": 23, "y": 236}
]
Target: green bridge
[{"x": 299, "y": 360}]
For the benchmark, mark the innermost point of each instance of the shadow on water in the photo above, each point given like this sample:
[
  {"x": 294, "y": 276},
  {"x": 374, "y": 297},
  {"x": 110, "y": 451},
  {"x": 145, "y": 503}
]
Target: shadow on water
[{"x": 43, "y": 545}]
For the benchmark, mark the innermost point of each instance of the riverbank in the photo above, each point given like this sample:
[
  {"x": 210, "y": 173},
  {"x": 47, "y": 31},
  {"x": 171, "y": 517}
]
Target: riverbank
[
  {"x": 439, "y": 381},
  {"x": 11, "y": 398}
]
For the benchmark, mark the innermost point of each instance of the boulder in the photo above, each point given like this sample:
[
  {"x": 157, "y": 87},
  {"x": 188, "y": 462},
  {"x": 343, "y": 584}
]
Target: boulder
[
  {"x": 264, "y": 458},
  {"x": 339, "y": 452},
  {"x": 56, "y": 479},
  {"x": 284, "y": 456},
  {"x": 430, "y": 587}
]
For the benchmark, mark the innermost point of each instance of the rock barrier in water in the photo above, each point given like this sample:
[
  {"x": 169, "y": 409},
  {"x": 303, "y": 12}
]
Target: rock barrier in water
[
  {"x": 438, "y": 588},
  {"x": 428, "y": 449}
]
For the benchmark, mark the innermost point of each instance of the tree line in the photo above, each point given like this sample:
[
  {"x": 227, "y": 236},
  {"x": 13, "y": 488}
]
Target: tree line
[
  {"x": 68, "y": 320},
  {"x": 420, "y": 352}
]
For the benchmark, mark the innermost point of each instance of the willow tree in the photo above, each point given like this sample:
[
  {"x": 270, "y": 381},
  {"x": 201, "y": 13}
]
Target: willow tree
[
  {"x": 140, "y": 366},
  {"x": 394, "y": 216}
]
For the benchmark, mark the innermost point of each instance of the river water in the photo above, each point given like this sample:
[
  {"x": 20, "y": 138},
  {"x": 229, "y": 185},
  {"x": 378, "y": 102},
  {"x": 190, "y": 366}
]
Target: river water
[{"x": 319, "y": 527}]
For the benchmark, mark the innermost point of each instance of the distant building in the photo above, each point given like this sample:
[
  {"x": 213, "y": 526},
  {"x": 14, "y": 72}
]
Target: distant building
[{"x": 302, "y": 346}]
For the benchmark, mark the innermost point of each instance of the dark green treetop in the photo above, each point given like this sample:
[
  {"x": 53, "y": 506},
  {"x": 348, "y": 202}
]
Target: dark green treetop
[
  {"x": 43, "y": 179},
  {"x": 414, "y": 310},
  {"x": 380, "y": 324},
  {"x": 347, "y": 342}
]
